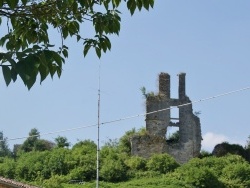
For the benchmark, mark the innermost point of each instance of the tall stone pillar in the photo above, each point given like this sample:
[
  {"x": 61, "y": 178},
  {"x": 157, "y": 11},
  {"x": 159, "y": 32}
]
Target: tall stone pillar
[
  {"x": 182, "y": 86},
  {"x": 164, "y": 85}
]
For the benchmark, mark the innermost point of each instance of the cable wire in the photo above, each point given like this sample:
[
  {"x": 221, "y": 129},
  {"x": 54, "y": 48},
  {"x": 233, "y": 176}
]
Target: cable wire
[{"x": 131, "y": 117}]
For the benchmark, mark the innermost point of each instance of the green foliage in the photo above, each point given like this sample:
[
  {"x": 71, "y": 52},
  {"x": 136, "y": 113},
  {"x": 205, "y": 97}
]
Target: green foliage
[
  {"x": 174, "y": 138},
  {"x": 136, "y": 163},
  {"x": 204, "y": 153},
  {"x": 84, "y": 147},
  {"x": 125, "y": 143},
  {"x": 54, "y": 182},
  {"x": 7, "y": 168},
  {"x": 29, "y": 143},
  {"x": 84, "y": 161},
  {"x": 147, "y": 174},
  {"x": 236, "y": 176},
  {"x": 4, "y": 149},
  {"x": 162, "y": 163},
  {"x": 196, "y": 177},
  {"x": 58, "y": 162},
  {"x": 34, "y": 143},
  {"x": 113, "y": 168},
  {"x": 38, "y": 169},
  {"x": 226, "y": 148},
  {"x": 61, "y": 142},
  {"x": 27, "y": 41},
  {"x": 145, "y": 93},
  {"x": 57, "y": 167}
]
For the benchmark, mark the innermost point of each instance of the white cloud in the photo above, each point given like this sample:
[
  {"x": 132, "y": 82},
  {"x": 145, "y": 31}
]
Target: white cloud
[{"x": 211, "y": 139}]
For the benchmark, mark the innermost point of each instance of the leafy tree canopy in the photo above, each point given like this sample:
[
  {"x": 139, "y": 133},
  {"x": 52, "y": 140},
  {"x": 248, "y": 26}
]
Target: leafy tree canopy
[
  {"x": 27, "y": 40},
  {"x": 4, "y": 148},
  {"x": 62, "y": 142},
  {"x": 34, "y": 143}
]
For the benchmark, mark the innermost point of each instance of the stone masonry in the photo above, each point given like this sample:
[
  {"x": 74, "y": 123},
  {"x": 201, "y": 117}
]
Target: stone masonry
[{"x": 189, "y": 143}]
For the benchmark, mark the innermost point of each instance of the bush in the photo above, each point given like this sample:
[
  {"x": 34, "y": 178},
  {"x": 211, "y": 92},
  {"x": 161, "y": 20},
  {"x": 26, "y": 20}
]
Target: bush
[
  {"x": 147, "y": 174},
  {"x": 136, "y": 163},
  {"x": 204, "y": 153},
  {"x": 54, "y": 182},
  {"x": 86, "y": 173},
  {"x": 226, "y": 148},
  {"x": 7, "y": 168},
  {"x": 162, "y": 163},
  {"x": 113, "y": 170},
  {"x": 236, "y": 175},
  {"x": 196, "y": 177}
]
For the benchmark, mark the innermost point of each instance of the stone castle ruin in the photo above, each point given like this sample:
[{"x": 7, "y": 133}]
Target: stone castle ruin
[{"x": 189, "y": 143}]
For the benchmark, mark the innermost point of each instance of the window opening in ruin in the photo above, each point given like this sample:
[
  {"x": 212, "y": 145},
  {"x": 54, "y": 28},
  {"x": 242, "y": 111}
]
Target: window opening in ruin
[
  {"x": 174, "y": 114},
  {"x": 173, "y": 135}
]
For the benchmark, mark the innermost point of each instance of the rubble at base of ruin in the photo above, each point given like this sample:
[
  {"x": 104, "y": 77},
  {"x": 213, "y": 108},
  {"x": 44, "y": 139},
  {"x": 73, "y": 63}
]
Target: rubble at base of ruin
[{"x": 188, "y": 144}]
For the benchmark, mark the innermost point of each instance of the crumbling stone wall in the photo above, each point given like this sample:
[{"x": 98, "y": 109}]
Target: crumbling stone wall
[{"x": 154, "y": 141}]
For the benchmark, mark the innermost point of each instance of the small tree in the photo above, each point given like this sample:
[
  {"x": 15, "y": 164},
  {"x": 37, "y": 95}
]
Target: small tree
[
  {"x": 61, "y": 142},
  {"x": 4, "y": 149},
  {"x": 34, "y": 143}
]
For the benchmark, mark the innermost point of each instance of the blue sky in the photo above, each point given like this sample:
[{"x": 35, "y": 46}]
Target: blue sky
[{"x": 208, "y": 40}]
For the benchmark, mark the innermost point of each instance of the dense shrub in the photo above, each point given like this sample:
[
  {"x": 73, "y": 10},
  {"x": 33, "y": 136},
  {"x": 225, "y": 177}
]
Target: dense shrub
[
  {"x": 162, "y": 163},
  {"x": 55, "y": 181},
  {"x": 32, "y": 165},
  {"x": 193, "y": 176},
  {"x": 236, "y": 175},
  {"x": 136, "y": 163},
  {"x": 7, "y": 168},
  {"x": 113, "y": 170},
  {"x": 226, "y": 148}
]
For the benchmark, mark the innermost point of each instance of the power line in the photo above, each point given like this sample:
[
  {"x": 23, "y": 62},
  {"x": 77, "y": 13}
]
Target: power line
[{"x": 133, "y": 116}]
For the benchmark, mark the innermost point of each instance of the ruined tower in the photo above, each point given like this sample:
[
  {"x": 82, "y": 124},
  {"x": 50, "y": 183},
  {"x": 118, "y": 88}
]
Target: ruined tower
[{"x": 189, "y": 143}]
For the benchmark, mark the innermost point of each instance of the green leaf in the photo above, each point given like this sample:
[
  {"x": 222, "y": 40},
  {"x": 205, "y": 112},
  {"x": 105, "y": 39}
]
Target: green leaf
[
  {"x": 52, "y": 69},
  {"x": 24, "y": 2},
  {"x": 131, "y": 4},
  {"x": 146, "y": 4},
  {"x": 30, "y": 82},
  {"x": 57, "y": 58},
  {"x": 13, "y": 74},
  {"x": 139, "y": 4},
  {"x": 98, "y": 52},
  {"x": 86, "y": 49},
  {"x": 106, "y": 4},
  {"x": 6, "y": 74},
  {"x": 65, "y": 32},
  {"x": 78, "y": 37},
  {"x": 65, "y": 53},
  {"x": 59, "y": 71},
  {"x": 116, "y": 3},
  {"x": 151, "y": 2},
  {"x": 12, "y": 3},
  {"x": 75, "y": 7},
  {"x": 44, "y": 71},
  {"x": 108, "y": 43}
]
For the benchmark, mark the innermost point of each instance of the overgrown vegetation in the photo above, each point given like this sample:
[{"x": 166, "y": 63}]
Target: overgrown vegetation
[{"x": 62, "y": 167}]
